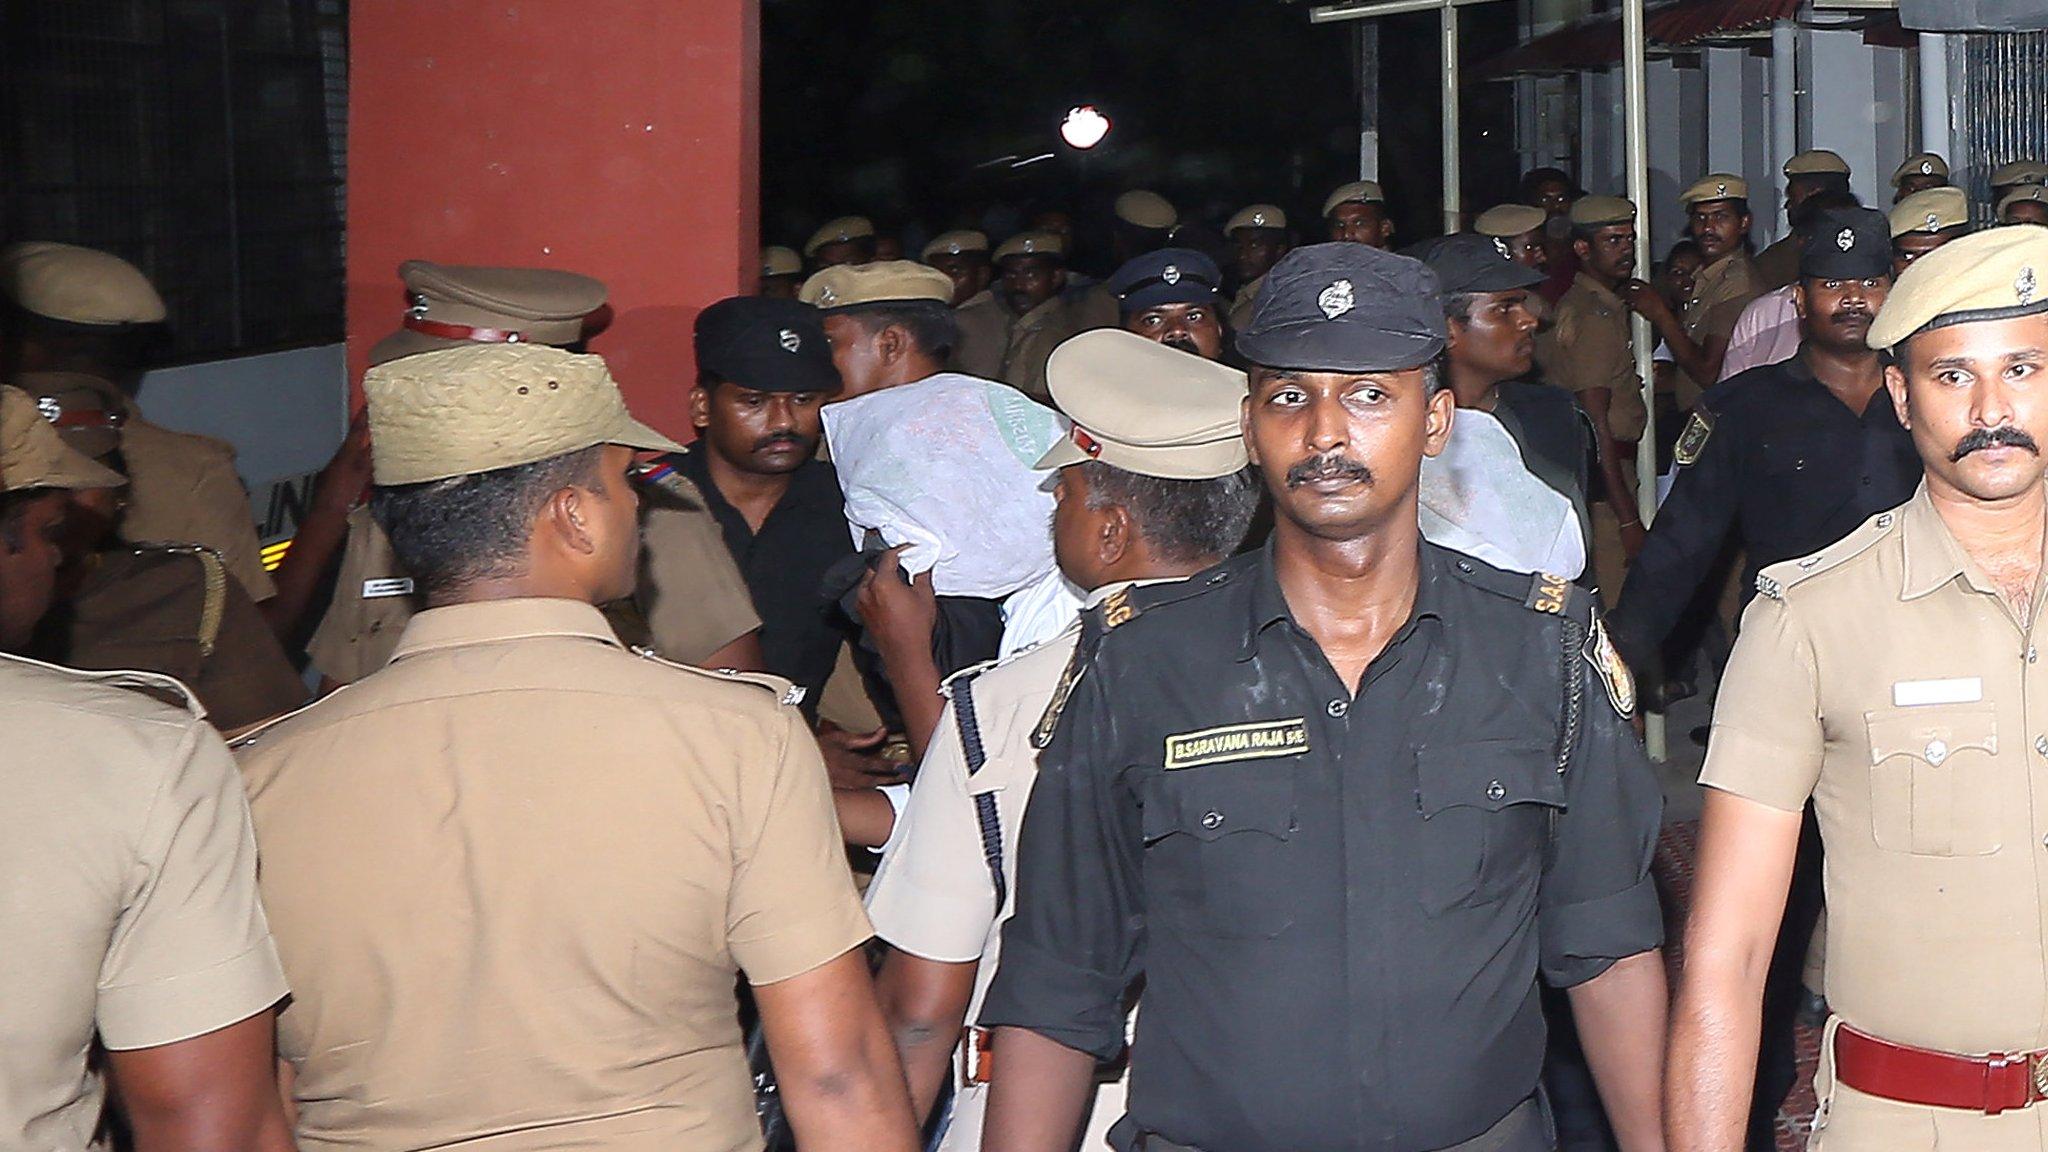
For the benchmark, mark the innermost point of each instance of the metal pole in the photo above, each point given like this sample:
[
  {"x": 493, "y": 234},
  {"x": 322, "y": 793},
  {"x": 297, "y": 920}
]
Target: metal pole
[
  {"x": 1447, "y": 22},
  {"x": 1636, "y": 133},
  {"x": 1368, "y": 100},
  {"x": 1784, "y": 88}
]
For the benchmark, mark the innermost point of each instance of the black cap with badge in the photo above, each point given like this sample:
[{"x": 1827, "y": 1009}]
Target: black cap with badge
[
  {"x": 1470, "y": 262},
  {"x": 766, "y": 344},
  {"x": 1345, "y": 308},
  {"x": 1847, "y": 244},
  {"x": 1167, "y": 276}
]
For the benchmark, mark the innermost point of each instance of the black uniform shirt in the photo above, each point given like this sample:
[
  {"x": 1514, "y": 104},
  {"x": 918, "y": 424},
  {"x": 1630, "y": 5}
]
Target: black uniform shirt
[
  {"x": 783, "y": 565},
  {"x": 1339, "y": 904},
  {"x": 1788, "y": 465}
]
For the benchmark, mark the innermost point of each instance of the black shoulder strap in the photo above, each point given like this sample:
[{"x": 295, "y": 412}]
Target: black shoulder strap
[
  {"x": 984, "y": 802},
  {"x": 1572, "y": 642}
]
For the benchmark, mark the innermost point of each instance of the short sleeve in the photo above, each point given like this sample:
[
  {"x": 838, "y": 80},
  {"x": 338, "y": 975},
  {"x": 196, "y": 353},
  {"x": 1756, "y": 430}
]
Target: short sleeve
[
  {"x": 220, "y": 497},
  {"x": 792, "y": 906},
  {"x": 690, "y": 592},
  {"x": 932, "y": 895},
  {"x": 191, "y": 952},
  {"x": 1565, "y": 355},
  {"x": 1598, "y": 901},
  {"x": 332, "y": 649},
  {"x": 1072, "y": 945},
  {"x": 1767, "y": 740}
]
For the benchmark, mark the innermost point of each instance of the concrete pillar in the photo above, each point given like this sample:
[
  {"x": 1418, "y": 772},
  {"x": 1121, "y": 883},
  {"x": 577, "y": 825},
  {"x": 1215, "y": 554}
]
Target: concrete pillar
[
  {"x": 618, "y": 138},
  {"x": 1843, "y": 71}
]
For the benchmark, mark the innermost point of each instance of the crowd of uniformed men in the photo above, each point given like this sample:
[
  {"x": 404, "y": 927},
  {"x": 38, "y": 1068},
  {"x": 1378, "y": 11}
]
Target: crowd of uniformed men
[{"x": 1336, "y": 837}]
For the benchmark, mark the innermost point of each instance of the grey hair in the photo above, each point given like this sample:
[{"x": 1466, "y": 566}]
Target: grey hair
[{"x": 1183, "y": 521}]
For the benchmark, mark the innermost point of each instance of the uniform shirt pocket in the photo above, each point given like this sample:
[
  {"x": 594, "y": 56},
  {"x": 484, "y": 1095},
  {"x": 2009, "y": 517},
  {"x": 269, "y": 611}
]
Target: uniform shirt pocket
[
  {"x": 1933, "y": 780},
  {"x": 1487, "y": 810},
  {"x": 1216, "y": 841}
]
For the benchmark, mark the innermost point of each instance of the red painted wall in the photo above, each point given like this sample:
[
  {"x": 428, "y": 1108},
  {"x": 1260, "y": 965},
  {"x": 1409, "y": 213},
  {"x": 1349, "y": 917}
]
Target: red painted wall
[{"x": 617, "y": 138}]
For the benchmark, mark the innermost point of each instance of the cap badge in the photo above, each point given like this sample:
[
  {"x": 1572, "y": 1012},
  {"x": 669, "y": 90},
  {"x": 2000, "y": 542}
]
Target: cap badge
[
  {"x": 827, "y": 297},
  {"x": 1258, "y": 219},
  {"x": 2025, "y": 285},
  {"x": 1845, "y": 239},
  {"x": 1927, "y": 168},
  {"x": 1722, "y": 187},
  {"x": 1933, "y": 219},
  {"x": 1336, "y": 300},
  {"x": 1501, "y": 246},
  {"x": 50, "y": 409},
  {"x": 789, "y": 340},
  {"x": 1170, "y": 274}
]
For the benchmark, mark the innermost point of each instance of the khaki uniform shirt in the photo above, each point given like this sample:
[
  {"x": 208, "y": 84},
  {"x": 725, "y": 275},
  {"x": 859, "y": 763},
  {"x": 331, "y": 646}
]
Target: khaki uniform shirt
[
  {"x": 1884, "y": 677},
  {"x": 1777, "y": 265},
  {"x": 175, "y": 611},
  {"x": 932, "y": 895},
  {"x": 1723, "y": 289},
  {"x": 183, "y": 489},
  {"x": 130, "y": 904},
  {"x": 1241, "y": 305},
  {"x": 1590, "y": 347},
  {"x": 1095, "y": 307},
  {"x": 984, "y": 336},
  {"x": 689, "y": 603},
  {"x": 1027, "y": 343},
  {"x": 513, "y": 875}
]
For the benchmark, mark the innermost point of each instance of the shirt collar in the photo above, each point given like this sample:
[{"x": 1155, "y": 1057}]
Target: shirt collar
[
  {"x": 1601, "y": 291},
  {"x": 491, "y": 621},
  {"x": 1932, "y": 557},
  {"x": 1269, "y": 604}
]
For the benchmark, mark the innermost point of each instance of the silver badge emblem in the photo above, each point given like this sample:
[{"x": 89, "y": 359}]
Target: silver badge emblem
[
  {"x": 1258, "y": 219},
  {"x": 827, "y": 296},
  {"x": 1170, "y": 274},
  {"x": 50, "y": 409},
  {"x": 2024, "y": 286},
  {"x": 1933, "y": 221},
  {"x": 789, "y": 340},
  {"x": 1845, "y": 239},
  {"x": 1927, "y": 168},
  {"x": 1336, "y": 300},
  {"x": 1501, "y": 246},
  {"x": 1722, "y": 188}
]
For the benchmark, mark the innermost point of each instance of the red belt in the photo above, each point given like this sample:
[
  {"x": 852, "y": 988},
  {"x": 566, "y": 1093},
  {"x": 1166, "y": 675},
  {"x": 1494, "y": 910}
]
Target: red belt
[
  {"x": 464, "y": 332},
  {"x": 1989, "y": 1084}
]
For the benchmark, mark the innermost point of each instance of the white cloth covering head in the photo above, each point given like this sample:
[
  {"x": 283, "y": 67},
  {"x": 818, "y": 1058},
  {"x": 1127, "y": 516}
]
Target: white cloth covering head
[
  {"x": 1479, "y": 498},
  {"x": 945, "y": 466}
]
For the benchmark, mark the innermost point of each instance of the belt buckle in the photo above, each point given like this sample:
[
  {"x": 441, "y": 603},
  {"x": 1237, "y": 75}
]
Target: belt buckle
[{"x": 2037, "y": 1077}]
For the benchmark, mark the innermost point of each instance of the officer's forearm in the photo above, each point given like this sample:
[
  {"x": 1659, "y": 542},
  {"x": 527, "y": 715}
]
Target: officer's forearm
[
  {"x": 316, "y": 548},
  {"x": 924, "y": 1002},
  {"x": 1039, "y": 1095},
  {"x": 837, "y": 1069},
  {"x": 1620, "y": 1015}
]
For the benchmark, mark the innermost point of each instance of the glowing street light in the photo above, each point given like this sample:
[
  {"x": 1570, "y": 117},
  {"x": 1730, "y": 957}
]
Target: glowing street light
[{"x": 1084, "y": 127}]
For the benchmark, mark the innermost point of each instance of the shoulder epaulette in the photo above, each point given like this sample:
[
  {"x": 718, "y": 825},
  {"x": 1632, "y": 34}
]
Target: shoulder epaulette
[
  {"x": 785, "y": 690},
  {"x": 1776, "y": 578},
  {"x": 1699, "y": 427},
  {"x": 155, "y": 685},
  {"x": 243, "y": 738},
  {"x": 1110, "y": 613},
  {"x": 214, "y": 572},
  {"x": 1541, "y": 592},
  {"x": 662, "y": 475}
]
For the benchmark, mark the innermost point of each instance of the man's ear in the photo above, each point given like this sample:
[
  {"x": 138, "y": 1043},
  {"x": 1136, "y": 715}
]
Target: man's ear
[
  {"x": 700, "y": 407},
  {"x": 1453, "y": 330},
  {"x": 1244, "y": 429},
  {"x": 1799, "y": 298},
  {"x": 1895, "y": 383},
  {"x": 891, "y": 344},
  {"x": 1116, "y": 537},
  {"x": 567, "y": 517},
  {"x": 1059, "y": 280},
  {"x": 1436, "y": 431}
]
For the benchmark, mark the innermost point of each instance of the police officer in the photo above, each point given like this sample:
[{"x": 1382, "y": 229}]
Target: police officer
[
  {"x": 1918, "y": 173},
  {"x": 1589, "y": 352},
  {"x": 1258, "y": 239},
  {"x": 1522, "y": 228},
  {"x": 1141, "y": 221},
  {"x": 1009, "y": 337},
  {"x": 763, "y": 374},
  {"x": 1717, "y": 208},
  {"x": 167, "y": 608},
  {"x": 1791, "y": 455},
  {"x": 1323, "y": 801},
  {"x": 2027, "y": 205},
  {"x": 1172, "y": 296},
  {"x": 1151, "y": 487},
  {"x": 1891, "y": 678},
  {"x": 1491, "y": 347},
  {"x": 74, "y": 309},
  {"x": 2015, "y": 175},
  {"x": 1806, "y": 175},
  {"x": 889, "y": 323},
  {"x": 1925, "y": 221},
  {"x": 963, "y": 256},
  {"x": 782, "y": 272},
  {"x": 1357, "y": 212},
  {"x": 632, "y": 833},
  {"x": 843, "y": 240},
  {"x": 131, "y": 917},
  {"x": 690, "y": 603}
]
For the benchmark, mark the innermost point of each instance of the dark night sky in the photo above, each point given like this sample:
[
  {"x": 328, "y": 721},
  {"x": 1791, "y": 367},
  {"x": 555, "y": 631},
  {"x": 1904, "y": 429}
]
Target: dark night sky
[{"x": 890, "y": 107}]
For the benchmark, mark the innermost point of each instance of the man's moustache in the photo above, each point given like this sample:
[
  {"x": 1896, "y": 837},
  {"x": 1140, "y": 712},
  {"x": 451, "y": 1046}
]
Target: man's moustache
[
  {"x": 1182, "y": 343},
  {"x": 774, "y": 438},
  {"x": 1330, "y": 466},
  {"x": 2004, "y": 436}
]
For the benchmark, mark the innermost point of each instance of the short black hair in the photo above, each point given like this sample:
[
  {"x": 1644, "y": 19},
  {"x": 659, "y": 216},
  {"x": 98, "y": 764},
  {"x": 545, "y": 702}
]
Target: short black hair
[
  {"x": 1831, "y": 200},
  {"x": 1458, "y": 305},
  {"x": 1535, "y": 178},
  {"x": 1683, "y": 246},
  {"x": 452, "y": 532},
  {"x": 1182, "y": 521},
  {"x": 1821, "y": 182},
  {"x": 113, "y": 352},
  {"x": 1739, "y": 203},
  {"x": 930, "y": 323}
]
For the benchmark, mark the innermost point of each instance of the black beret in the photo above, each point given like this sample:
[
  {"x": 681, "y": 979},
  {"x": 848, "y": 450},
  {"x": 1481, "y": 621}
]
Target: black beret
[
  {"x": 766, "y": 344},
  {"x": 1168, "y": 276},
  {"x": 1345, "y": 308},
  {"x": 1847, "y": 244}
]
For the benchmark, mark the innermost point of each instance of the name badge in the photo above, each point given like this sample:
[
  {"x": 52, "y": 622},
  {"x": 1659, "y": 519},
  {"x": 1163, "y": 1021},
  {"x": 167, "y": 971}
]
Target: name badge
[
  {"x": 387, "y": 588},
  {"x": 1963, "y": 690},
  {"x": 1237, "y": 742}
]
